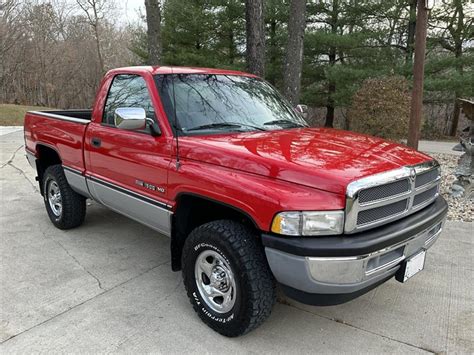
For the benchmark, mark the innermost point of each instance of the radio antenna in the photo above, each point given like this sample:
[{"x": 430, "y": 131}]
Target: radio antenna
[{"x": 176, "y": 129}]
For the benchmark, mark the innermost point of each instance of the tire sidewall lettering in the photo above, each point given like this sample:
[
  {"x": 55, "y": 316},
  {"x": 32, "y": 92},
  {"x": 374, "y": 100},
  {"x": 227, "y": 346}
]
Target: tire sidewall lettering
[
  {"x": 217, "y": 319},
  {"x": 210, "y": 246}
]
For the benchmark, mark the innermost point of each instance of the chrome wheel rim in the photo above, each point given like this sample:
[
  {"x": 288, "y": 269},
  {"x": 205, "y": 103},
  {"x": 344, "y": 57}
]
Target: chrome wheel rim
[
  {"x": 215, "y": 281},
  {"x": 54, "y": 198}
]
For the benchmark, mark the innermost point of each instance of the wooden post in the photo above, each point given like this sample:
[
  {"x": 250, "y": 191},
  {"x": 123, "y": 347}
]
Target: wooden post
[{"x": 416, "y": 110}]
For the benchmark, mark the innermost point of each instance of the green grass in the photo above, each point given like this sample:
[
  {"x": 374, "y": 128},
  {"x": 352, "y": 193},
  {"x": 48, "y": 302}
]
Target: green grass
[{"x": 13, "y": 115}]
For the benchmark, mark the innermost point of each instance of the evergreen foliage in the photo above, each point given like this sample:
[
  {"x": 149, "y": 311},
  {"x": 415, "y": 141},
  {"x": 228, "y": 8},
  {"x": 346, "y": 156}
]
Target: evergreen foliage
[{"x": 346, "y": 42}]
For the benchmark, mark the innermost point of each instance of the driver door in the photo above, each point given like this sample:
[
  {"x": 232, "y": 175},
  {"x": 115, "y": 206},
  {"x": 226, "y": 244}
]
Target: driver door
[{"x": 128, "y": 170}]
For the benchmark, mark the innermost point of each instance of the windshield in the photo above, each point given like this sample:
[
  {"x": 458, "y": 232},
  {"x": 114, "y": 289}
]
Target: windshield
[{"x": 216, "y": 103}]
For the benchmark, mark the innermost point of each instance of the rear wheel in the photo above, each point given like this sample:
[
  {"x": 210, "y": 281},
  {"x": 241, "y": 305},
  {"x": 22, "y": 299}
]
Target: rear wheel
[
  {"x": 65, "y": 207},
  {"x": 227, "y": 277}
]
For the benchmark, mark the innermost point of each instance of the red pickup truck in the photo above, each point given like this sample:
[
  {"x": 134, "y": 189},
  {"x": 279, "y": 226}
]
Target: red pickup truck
[{"x": 250, "y": 196}]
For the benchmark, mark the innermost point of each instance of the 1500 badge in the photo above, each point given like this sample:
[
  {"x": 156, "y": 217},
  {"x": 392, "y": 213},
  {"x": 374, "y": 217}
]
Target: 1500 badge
[{"x": 149, "y": 186}]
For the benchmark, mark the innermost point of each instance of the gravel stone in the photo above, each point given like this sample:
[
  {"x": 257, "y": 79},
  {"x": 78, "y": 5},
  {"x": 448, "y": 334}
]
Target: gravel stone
[{"x": 460, "y": 208}]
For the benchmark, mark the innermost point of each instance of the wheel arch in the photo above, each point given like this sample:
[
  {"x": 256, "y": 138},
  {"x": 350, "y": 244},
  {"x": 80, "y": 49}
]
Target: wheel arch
[
  {"x": 193, "y": 210},
  {"x": 46, "y": 156}
]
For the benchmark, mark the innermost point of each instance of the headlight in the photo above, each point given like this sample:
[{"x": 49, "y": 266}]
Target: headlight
[{"x": 309, "y": 223}]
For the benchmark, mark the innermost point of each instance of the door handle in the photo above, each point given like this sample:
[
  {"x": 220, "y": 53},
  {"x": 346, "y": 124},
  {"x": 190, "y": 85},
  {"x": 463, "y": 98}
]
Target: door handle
[{"x": 96, "y": 142}]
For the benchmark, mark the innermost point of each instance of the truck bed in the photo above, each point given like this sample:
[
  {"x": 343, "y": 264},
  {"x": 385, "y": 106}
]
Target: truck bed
[{"x": 61, "y": 130}]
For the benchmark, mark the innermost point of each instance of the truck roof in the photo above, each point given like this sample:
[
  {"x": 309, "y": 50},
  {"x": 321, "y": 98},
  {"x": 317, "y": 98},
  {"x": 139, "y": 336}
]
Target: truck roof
[{"x": 180, "y": 70}]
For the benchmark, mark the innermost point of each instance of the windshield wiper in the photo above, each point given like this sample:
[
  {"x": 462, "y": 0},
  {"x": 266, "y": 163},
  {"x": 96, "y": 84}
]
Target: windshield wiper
[
  {"x": 224, "y": 125},
  {"x": 285, "y": 122}
]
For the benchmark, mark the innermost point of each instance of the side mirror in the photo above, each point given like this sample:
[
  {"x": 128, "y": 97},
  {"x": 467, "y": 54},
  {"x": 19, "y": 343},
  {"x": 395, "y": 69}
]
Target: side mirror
[
  {"x": 302, "y": 110},
  {"x": 130, "y": 118}
]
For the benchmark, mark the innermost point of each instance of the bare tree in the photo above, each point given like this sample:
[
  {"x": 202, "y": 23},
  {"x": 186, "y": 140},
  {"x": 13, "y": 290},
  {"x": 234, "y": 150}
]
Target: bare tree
[
  {"x": 10, "y": 33},
  {"x": 94, "y": 11},
  {"x": 294, "y": 51},
  {"x": 255, "y": 29},
  {"x": 49, "y": 56},
  {"x": 153, "y": 20}
]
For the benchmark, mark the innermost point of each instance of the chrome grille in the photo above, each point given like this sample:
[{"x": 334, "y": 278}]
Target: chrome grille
[
  {"x": 384, "y": 191},
  {"x": 385, "y": 197},
  {"x": 425, "y": 196},
  {"x": 377, "y": 213},
  {"x": 426, "y": 178}
]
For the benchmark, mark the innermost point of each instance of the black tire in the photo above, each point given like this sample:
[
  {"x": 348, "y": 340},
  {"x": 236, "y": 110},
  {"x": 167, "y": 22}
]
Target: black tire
[
  {"x": 73, "y": 205},
  {"x": 255, "y": 285}
]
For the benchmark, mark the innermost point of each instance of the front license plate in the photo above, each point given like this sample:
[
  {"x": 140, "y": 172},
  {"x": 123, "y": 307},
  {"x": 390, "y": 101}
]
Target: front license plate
[{"x": 412, "y": 266}]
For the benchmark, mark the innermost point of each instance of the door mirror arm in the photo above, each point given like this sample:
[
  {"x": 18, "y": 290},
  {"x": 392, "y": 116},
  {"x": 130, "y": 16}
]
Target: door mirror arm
[{"x": 154, "y": 128}]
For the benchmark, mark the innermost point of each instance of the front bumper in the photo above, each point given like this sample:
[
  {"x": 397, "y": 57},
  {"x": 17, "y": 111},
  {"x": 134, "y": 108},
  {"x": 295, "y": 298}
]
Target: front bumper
[{"x": 332, "y": 270}]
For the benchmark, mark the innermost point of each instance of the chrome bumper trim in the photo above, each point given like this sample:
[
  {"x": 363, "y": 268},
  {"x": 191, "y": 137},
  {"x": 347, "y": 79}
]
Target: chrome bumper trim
[
  {"x": 339, "y": 275},
  {"x": 359, "y": 268}
]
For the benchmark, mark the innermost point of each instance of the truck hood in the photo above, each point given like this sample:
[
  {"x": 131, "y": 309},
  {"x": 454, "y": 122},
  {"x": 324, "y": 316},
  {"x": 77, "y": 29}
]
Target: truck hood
[{"x": 321, "y": 158}]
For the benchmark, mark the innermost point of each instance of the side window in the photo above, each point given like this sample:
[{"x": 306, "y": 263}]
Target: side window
[{"x": 127, "y": 91}]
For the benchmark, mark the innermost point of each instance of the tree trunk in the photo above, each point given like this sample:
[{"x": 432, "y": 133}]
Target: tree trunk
[
  {"x": 294, "y": 51},
  {"x": 458, "y": 42},
  {"x": 99, "y": 51},
  {"x": 97, "y": 37},
  {"x": 330, "y": 106},
  {"x": 457, "y": 106},
  {"x": 272, "y": 52},
  {"x": 153, "y": 20},
  {"x": 411, "y": 32},
  {"x": 255, "y": 29},
  {"x": 416, "y": 109},
  {"x": 456, "y": 113},
  {"x": 232, "y": 51}
]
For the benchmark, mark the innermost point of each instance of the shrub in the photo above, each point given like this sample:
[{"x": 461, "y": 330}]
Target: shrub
[{"x": 381, "y": 107}]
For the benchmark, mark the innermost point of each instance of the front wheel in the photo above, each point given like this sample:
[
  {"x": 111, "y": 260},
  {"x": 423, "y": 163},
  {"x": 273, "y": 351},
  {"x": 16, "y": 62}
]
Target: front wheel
[{"x": 227, "y": 277}]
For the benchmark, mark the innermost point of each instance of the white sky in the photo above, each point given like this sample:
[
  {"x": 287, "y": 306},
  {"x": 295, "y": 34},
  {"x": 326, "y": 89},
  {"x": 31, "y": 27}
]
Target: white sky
[
  {"x": 126, "y": 11},
  {"x": 130, "y": 9}
]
